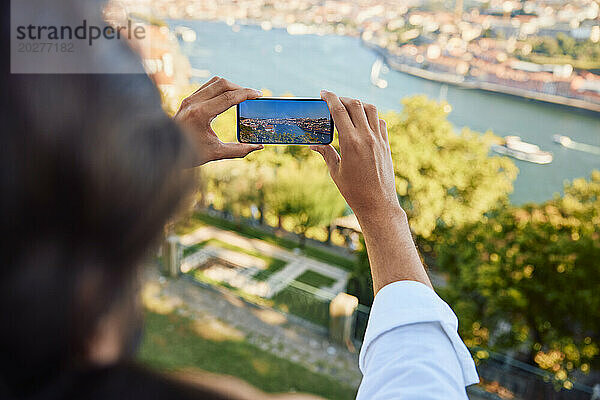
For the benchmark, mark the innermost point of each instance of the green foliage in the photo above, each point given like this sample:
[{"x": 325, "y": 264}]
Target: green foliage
[
  {"x": 527, "y": 278},
  {"x": 172, "y": 343},
  {"x": 290, "y": 182},
  {"x": 548, "y": 46},
  {"x": 562, "y": 49},
  {"x": 443, "y": 178},
  {"x": 304, "y": 192}
]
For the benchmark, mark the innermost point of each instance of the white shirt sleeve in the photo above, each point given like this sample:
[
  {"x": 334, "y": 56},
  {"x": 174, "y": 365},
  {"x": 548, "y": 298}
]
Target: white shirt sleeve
[{"x": 412, "y": 349}]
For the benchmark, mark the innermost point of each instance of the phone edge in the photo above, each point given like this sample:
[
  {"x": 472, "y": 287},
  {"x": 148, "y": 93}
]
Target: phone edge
[{"x": 331, "y": 129}]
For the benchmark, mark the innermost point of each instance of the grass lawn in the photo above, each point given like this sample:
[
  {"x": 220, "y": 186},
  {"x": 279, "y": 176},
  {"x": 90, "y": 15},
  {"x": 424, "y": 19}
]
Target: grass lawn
[
  {"x": 200, "y": 219},
  {"x": 315, "y": 279},
  {"x": 171, "y": 343},
  {"x": 271, "y": 269},
  {"x": 193, "y": 248}
]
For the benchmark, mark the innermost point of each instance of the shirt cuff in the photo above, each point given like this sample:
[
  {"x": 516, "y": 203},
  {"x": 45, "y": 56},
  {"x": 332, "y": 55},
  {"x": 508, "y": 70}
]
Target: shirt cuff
[{"x": 410, "y": 302}]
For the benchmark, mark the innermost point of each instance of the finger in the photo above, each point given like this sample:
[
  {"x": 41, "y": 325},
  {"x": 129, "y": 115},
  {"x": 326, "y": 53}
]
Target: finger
[
  {"x": 213, "y": 79},
  {"x": 237, "y": 150},
  {"x": 216, "y": 88},
  {"x": 330, "y": 155},
  {"x": 356, "y": 111},
  {"x": 188, "y": 100},
  {"x": 383, "y": 131},
  {"x": 372, "y": 117},
  {"x": 205, "y": 84},
  {"x": 224, "y": 101},
  {"x": 338, "y": 112}
]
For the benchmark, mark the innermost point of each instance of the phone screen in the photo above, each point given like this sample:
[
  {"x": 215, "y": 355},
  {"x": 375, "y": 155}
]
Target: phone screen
[{"x": 284, "y": 121}]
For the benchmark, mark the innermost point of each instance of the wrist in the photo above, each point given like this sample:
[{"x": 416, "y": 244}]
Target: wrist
[{"x": 381, "y": 216}]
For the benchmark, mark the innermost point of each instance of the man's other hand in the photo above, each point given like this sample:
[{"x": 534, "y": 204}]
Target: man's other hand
[
  {"x": 363, "y": 170},
  {"x": 364, "y": 173},
  {"x": 197, "y": 112}
]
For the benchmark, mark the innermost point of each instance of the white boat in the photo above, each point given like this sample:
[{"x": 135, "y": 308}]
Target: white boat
[
  {"x": 186, "y": 34},
  {"x": 569, "y": 143},
  {"x": 562, "y": 140},
  {"x": 514, "y": 147},
  {"x": 375, "y": 71}
]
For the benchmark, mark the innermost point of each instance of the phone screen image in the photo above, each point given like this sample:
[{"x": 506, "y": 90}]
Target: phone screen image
[{"x": 284, "y": 121}]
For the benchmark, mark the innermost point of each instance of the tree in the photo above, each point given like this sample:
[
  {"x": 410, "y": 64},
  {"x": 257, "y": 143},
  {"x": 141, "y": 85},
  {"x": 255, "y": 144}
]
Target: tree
[
  {"x": 236, "y": 185},
  {"x": 443, "y": 178},
  {"x": 527, "y": 278},
  {"x": 546, "y": 45},
  {"x": 567, "y": 44},
  {"x": 304, "y": 193},
  {"x": 291, "y": 182}
]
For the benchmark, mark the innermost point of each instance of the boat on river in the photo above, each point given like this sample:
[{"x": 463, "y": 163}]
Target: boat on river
[
  {"x": 569, "y": 143},
  {"x": 376, "y": 80},
  {"x": 562, "y": 140},
  {"x": 186, "y": 34},
  {"x": 514, "y": 147}
]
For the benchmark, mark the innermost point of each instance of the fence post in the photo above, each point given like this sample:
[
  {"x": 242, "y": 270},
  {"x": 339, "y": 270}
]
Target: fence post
[
  {"x": 342, "y": 310},
  {"x": 172, "y": 256}
]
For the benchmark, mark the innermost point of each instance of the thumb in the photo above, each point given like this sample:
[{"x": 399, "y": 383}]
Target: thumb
[
  {"x": 330, "y": 155},
  {"x": 238, "y": 150}
]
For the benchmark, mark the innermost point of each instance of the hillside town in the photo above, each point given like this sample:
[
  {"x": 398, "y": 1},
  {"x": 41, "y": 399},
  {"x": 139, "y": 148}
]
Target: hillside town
[
  {"x": 546, "y": 50},
  {"x": 278, "y": 130}
]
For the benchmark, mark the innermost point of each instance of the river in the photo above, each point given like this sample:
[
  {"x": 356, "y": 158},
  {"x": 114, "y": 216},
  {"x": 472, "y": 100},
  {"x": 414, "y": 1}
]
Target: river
[{"x": 303, "y": 65}]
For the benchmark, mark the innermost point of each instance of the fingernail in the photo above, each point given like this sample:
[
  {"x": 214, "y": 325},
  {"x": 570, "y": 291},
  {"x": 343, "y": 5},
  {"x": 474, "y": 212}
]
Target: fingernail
[
  {"x": 323, "y": 91},
  {"x": 258, "y": 92}
]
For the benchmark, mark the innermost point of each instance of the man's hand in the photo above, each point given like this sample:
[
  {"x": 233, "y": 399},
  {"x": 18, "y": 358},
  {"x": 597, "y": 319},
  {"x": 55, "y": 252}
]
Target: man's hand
[
  {"x": 365, "y": 176},
  {"x": 364, "y": 172},
  {"x": 197, "y": 112}
]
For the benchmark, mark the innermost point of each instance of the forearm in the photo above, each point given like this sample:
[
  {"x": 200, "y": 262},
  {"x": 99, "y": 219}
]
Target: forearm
[{"x": 392, "y": 252}]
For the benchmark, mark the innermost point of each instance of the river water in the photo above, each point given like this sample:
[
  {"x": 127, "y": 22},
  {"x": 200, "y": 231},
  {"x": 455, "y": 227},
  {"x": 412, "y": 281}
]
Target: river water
[{"x": 303, "y": 65}]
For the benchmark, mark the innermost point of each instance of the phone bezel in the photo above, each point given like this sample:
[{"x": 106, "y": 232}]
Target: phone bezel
[{"x": 331, "y": 125}]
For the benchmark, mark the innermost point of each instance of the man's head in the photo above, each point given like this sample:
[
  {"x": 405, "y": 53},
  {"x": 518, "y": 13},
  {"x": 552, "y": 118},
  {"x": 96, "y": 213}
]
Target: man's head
[{"x": 91, "y": 169}]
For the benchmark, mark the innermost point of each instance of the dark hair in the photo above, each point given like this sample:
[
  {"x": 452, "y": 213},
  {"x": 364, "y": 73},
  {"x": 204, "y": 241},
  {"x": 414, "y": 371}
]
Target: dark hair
[{"x": 90, "y": 171}]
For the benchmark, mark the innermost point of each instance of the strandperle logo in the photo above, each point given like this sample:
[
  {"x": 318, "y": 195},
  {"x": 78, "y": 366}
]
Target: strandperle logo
[
  {"x": 84, "y": 31},
  {"x": 77, "y": 37}
]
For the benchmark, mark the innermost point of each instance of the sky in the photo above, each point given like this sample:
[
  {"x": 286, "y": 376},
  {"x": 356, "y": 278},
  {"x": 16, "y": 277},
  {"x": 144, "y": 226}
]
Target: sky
[{"x": 283, "y": 109}]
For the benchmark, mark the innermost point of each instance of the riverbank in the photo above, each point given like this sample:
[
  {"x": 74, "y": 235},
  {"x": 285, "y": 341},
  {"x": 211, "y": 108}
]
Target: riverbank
[
  {"x": 302, "y": 65},
  {"x": 440, "y": 76},
  {"x": 461, "y": 81}
]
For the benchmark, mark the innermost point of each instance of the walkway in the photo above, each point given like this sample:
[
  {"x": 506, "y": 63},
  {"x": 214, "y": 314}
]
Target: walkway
[{"x": 297, "y": 263}]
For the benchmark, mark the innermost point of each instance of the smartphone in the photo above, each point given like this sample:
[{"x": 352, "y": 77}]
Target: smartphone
[{"x": 284, "y": 120}]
